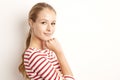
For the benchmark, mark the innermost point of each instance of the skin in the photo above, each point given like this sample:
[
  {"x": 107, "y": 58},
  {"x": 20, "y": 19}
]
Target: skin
[
  {"x": 41, "y": 37},
  {"x": 43, "y": 28}
]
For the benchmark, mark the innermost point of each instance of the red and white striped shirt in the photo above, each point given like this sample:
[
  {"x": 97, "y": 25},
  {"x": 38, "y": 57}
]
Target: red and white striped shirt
[{"x": 43, "y": 65}]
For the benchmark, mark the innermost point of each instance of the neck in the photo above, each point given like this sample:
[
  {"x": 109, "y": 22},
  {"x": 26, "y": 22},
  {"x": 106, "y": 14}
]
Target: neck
[{"x": 36, "y": 43}]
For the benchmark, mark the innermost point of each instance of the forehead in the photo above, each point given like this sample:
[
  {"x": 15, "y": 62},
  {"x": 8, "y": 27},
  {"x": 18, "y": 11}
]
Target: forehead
[{"x": 46, "y": 14}]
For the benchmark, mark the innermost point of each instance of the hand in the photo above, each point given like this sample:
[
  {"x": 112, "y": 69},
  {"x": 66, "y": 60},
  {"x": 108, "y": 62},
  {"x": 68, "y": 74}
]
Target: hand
[{"x": 53, "y": 45}]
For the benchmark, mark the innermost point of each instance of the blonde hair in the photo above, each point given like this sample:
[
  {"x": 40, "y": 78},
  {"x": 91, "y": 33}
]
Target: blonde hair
[{"x": 33, "y": 16}]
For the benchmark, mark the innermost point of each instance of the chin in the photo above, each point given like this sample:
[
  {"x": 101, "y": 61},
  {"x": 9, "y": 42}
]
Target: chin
[
  {"x": 45, "y": 38},
  {"x": 48, "y": 38}
]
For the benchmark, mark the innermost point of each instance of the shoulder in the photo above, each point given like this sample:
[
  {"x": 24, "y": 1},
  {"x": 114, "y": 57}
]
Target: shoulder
[{"x": 30, "y": 52}]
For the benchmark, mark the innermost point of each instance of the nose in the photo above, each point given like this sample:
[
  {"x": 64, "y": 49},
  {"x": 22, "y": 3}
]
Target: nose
[{"x": 49, "y": 27}]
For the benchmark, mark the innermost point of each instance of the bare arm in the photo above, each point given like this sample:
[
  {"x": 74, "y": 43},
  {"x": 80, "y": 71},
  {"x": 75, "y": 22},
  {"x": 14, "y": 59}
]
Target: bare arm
[{"x": 54, "y": 45}]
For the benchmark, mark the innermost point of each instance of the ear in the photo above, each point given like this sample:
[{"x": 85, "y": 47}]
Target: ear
[{"x": 30, "y": 23}]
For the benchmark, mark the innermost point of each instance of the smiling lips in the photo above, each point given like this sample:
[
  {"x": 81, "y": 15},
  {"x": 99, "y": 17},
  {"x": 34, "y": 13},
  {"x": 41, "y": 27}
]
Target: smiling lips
[{"x": 48, "y": 34}]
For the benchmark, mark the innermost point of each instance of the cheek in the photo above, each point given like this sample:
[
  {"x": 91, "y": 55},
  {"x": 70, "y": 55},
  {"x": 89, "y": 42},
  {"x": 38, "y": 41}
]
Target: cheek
[
  {"x": 53, "y": 30},
  {"x": 36, "y": 30},
  {"x": 40, "y": 30}
]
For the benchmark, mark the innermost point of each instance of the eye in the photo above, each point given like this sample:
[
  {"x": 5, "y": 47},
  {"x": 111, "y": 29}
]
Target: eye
[
  {"x": 53, "y": 23},
  {"x": 43, "y": 22}
]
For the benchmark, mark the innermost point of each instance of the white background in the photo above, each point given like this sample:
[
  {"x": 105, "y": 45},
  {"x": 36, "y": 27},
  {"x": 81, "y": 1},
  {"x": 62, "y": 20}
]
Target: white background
[{"x": 88, "y": 30}]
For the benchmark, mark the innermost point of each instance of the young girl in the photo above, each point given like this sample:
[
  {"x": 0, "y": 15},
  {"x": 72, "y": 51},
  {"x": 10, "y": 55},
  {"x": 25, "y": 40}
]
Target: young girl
[{"x": 43, "y": 58}]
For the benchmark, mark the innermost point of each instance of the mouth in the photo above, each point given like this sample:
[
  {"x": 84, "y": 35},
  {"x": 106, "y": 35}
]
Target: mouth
[{"x": 48, "y": 34}]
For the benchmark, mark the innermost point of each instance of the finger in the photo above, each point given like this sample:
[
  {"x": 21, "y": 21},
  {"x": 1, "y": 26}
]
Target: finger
[
  {"x": 53, "y": 38},
  {"x": 49, "y": 41}
]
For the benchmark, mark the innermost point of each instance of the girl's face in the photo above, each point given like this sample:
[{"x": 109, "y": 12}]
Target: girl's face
[{"x": 44, "y": 26}]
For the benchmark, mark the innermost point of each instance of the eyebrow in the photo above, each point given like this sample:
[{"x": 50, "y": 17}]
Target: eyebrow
[{"x": 46, "y": 20}]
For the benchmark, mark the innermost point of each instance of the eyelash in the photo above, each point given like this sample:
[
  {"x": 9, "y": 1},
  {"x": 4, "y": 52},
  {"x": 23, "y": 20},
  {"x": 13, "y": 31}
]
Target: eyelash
[
  {"x": 43, "y": 22},
  {"x": 46, "y": 22},
  {"x": 53, "y": 23}
]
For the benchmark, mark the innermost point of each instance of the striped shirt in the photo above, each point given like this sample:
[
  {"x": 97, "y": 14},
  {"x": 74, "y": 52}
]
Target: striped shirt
[{"x": 43, "y": 65}]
